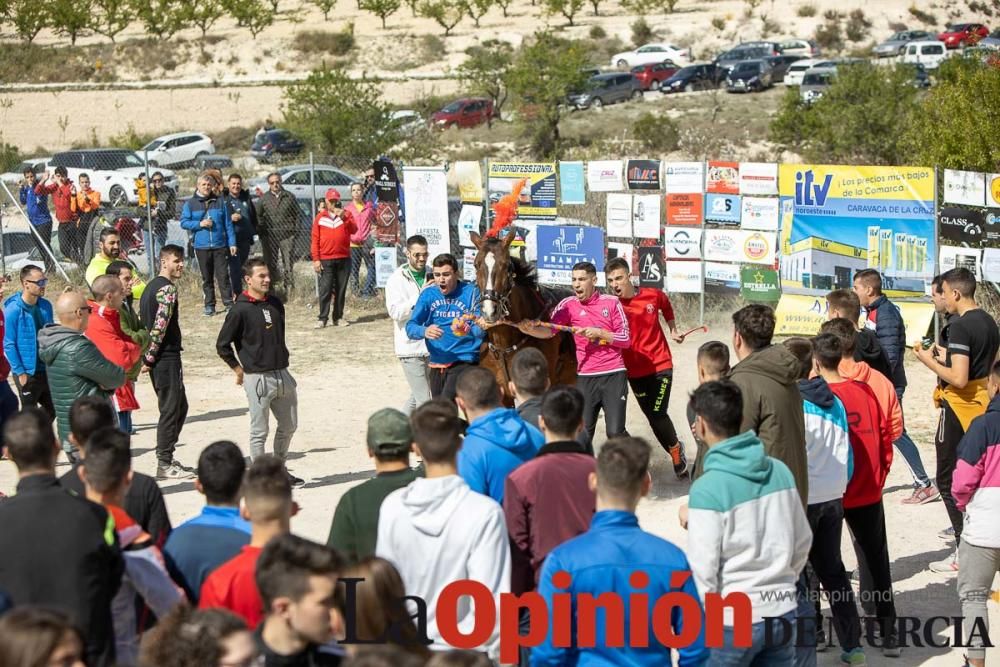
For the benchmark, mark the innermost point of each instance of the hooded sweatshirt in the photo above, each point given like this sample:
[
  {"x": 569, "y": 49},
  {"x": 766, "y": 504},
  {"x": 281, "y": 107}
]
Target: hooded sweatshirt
[
  {"x": 256, "y": 328},
  {"x": 20, "y": 336},
  {"x": 104, "y": 330},
  {"x": 494, "y": 445},
  {"x": 772, "y": 408},
  {"x": 437, "y": 531},
  {"x": 884, "y": 392},
  {"x": 828, "y": 447},
  {"x": 747, "y": 530},
  {"x": 435, "y": 307},
  {"x": 976, "y": 481},
  {"x": 871, "y": 443}
]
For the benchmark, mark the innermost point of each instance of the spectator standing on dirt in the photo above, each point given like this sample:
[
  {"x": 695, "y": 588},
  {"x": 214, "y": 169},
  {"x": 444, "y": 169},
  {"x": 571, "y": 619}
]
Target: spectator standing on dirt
[
  {"x": 362, "y": 242},
  {"x": 131, "y": 324},
  {"x": 8, "y": 400},
  {"x": 108, "y": 251},
  {"x": 36, "y": 207},
  {"x": 25, "y": 313},
  {"x": 63, "y": 194},
  {"x": 330, "y": 247},
  {"x": 164, "y": 211},
  {"x": 105, "y": 331},
  {"x": 845, "y": 303},
  {"x": 243, "y": 215},
  {"x": 255, "y": 327},
  {"x": 401, "y": 293},
  {"x": 214, "y": 241},
  {"x": 277, "y": 226},
  {"x": 160, "y": 312}
]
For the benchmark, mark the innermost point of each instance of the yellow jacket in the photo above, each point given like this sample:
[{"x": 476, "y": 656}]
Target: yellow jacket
[{"x": 140, "y": 188}]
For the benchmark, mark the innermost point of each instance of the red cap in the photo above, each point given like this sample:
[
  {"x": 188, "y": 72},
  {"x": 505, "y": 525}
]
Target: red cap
[{"x": 332, "y": 195}]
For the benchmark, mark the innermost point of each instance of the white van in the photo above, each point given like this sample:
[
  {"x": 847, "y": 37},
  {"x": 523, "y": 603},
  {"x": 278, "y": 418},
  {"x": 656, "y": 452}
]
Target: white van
[
  {"x": 929, "y": 53},
  {"x": 797, "y": 71}
]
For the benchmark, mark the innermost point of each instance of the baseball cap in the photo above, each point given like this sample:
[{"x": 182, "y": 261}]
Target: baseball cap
[
  {"x": 389, "y": 432},
  {"x": 332, "y": 195}
]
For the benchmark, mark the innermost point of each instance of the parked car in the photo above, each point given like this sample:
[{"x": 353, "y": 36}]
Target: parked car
[
  {"x": 465, "y": 112},
  {"x": 649, "y": 54},
  {"x": 749, "y": 51},
  {"x": 651, "y": 76},
  {"x": 693, "y": 77},
  {"x": 815, "y": 83},
  {"x": 214, "y": 161},
  {"x": 749, "y": 76},
  {"x": 992, "y": 41},
  {"x": 407, "y": 121},
  {"x": 780, "y": 64},
  {"x": 35, "y": 164},
  {"x": 270, "y": 144},
  {"x": 799, "y": 47},
  {"x": 178, "y": 149},
  {"x": 983, "y": 54},
  {"x": 607, "y": 89},
  {"x": 797, "y": 71},
  {"x": 957, "y": 35},
  {"x": 296, "y": 179},
  {"x": 929, "y": 53},
  {"x": 112, "y": 172},
  {"x": 896, "y": 45},
  {"x": 19, "y": 250}
]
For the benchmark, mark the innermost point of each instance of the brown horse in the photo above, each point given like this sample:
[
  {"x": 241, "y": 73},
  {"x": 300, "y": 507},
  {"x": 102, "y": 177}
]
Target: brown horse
[{"x": 509, "y": 293}]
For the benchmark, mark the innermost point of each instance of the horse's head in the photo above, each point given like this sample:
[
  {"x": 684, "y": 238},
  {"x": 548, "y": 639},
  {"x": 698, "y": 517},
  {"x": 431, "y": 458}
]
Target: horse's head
[{"x": 494, "y": 275}]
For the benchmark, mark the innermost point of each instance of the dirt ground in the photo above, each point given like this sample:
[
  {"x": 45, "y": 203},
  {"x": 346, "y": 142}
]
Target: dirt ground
[{"x": 345, "y": 374}]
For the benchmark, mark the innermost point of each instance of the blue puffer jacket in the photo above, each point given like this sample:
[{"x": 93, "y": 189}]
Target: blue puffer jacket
[
  {"x": 35, "y": 205},
  {"x": 20, "y": 340},
  {"x": 220, "y": 234},
  {"x": 883, "y": 317}
]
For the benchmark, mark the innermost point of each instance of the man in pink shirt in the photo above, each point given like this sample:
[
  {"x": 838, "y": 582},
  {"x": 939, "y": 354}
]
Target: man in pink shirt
[{"x": 602, "y": 334}]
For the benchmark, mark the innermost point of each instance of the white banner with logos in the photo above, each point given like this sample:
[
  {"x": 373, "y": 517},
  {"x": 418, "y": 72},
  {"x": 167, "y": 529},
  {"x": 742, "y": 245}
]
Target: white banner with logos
[
  {"x": 683, "y": 277},
  {"x": 991, "y": 264},
  {"x": 619, "y": 215},
  {"x": 468, "y": 222},
  {"x": 759, "y": 213},
  {"x": 385, "y": 264},
  {"x": 964, "y": 187},
  {"x": 646, "y": 216},
  {"x": 683, "y": 177},
  {"x": 682, "y": 242},
  {"x": 758, "y": 178},
  {"x": 952, "y": 257},
  {"x": 425, "y": 192},
  {"x": 604, "y": 175},
  {"x": 740, "y": 246},
  {"x": 469, "y": 264}
]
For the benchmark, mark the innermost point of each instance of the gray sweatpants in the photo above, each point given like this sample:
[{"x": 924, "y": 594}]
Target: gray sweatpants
[
  {"x": 977, "y": 567},
  {"x": 415, "y": 370},
  {"x": 273, "y": 391}
]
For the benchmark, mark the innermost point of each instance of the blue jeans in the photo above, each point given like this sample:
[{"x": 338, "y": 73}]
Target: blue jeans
[
  {"x": 776, "y": 650},
  {"x": 905, "y": 445},
  {"x": 805, "y": 625}
]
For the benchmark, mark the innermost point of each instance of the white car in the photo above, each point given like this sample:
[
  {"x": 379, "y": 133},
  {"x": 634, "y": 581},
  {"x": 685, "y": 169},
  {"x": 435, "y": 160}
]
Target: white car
[
  {"x": 797, "y": 71},
  {"x": 112, "y": 172},
  {"x": 296, "y": 179},
  {"x": 651, "y": 54},
  {"x": 35, "y": 164},
  {"x": 929, "y": 53},
  {"x": 180, "y": 148},
  {"x": 407, "y": 121},
  {"x": 799, "y": 47}
]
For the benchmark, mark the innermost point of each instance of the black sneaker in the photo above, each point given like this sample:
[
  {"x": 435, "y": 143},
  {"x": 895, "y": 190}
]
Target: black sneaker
[
  {"x": 296, "y": 482},
  {"x": 679, "y": 459},
  {"x": 173, "y": 470}
]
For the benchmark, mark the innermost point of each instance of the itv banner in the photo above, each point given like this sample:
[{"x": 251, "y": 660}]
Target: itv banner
[{"x": 837, "y": 220}]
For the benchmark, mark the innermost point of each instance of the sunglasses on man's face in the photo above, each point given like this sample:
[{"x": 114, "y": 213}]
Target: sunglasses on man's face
[{"x": 41, "y": 282}]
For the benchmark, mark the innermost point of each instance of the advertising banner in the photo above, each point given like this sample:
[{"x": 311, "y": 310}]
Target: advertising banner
[
  {"x": 571, "y": 183},
  {"x": 562, "y": 246},
  {"x": 646, "y": 216},
  {"x": 643, "y": 174},
  {"x": 684, "y": 209},
  {"x": 724, "y": 209},
  {"x": 741, "y": 246},
  {"x": 387, "y": 202},
  {"x": 470, "y": 182},
  {"x": 832, "y": 217},
  {"x": 967, "y": 258},
  {"x": 759, "y": 213},
  {"x": 604, "y": 175},
  {"x": 802, "y": 315},
  {"x": 759, "y": 284},
  {"x": 538, "y": 197},
  {"x": 722, "y": 278},
  {"x": 619, "y": 215},
  {"x": 469, "y": 220},
  {"x": 469, "y": 264},
  {"x": 961, "y": 226},
  {"x": 758, "y": 178},
  {"x": 964, "y": 187},
  {"x": 723, "y": 178},
  {"x": 425, "y": 200},
  {"x": 626, "y": 251},
  {"x": 682, "y": 242},
  {"x": 385, "y": 264},
  {"x": 993, "y": 190},
  {"x": 683, "y": 177},
  {"x": 651, "y": 266},
  {"x": 684, "y": 277},
  {"x": 991, "y": 264}
]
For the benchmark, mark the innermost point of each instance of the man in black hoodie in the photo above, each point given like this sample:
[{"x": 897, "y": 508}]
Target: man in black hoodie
[
  {"x": 256, "y": 328},
  {"x": 243, "y": 214},
  {"x": 844, "y": 303}
]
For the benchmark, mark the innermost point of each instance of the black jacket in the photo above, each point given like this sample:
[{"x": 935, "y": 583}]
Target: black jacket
[
  {"x": 61, "y": 551},
  {"x": 246, "y": 228},
  {"x": 869, "y": 350},
  {"x": 884, "y": 316},
  {"x": 530, "y": 409},
  {"x": 257, "y": 330},
  {"x": 143, "y": 502}
]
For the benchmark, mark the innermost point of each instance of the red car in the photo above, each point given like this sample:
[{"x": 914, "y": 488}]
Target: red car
[
  {"x": 466, "y": 112},
  {"x": 957, "y": 35},
  {"x": 651, "y": 76}
]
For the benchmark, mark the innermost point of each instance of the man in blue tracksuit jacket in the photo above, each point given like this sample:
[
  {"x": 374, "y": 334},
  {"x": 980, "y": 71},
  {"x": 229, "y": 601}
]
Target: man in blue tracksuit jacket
[
  {"x": 497, "y": 440},
  {"x": 609, "y": 558},
  {"x": 36, "y": 207},
  {"x": 447, "y": 316},
  {"x": 243, "y": 214},
  {"x": 204, "y": 215},
  {"x": 25, "y": 314}
]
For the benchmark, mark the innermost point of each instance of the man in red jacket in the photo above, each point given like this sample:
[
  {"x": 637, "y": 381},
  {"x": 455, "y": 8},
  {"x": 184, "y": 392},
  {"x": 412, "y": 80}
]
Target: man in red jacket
[
  {"x": 871, "y": 449},
  {"x": 331, "y": 255},
  {"x": 104, "y": 330},
  {"x": 63, "y": 193}
]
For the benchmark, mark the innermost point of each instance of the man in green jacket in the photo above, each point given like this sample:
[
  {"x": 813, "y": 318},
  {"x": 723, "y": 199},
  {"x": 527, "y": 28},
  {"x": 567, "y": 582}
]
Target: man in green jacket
[
  {"x": 355, "y": 522},
  {"x": 768, "y": 377},
  {"x": 75, "y": 366}
]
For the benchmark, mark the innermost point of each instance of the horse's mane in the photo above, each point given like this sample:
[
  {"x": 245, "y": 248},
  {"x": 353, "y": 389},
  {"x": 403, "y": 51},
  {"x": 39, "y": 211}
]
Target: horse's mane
[{"x": 525, "y": 273}]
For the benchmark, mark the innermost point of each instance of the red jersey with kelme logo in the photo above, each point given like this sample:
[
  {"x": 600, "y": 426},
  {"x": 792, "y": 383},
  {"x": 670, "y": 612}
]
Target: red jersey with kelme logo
[{"x": 650, "y": 352}]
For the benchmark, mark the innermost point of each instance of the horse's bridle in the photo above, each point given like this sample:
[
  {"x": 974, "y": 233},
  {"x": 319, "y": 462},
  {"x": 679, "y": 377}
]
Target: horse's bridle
[{"x": 502, "y": 301}]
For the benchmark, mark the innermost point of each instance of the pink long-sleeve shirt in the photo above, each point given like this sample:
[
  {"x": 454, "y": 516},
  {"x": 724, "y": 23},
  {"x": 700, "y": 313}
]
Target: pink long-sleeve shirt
[
  {"x": 364, "y": 219},
  {"x": 602, "y": 311}
]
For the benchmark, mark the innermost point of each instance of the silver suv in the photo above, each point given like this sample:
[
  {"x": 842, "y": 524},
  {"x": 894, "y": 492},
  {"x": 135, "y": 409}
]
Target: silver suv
[{"x": 607, "y": 89}]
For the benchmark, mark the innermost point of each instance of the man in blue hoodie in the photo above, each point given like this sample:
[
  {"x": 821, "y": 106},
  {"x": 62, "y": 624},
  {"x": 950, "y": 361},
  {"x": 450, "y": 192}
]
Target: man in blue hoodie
[
  {"x": 36, "y": 207},
  {"x": 497, "y": 439},
  {"x": 214, "y": 241},
  {"x": 25, "y": 313},
  {"x": 616, "y": 556},
  {"x": 447, "y": 316}
]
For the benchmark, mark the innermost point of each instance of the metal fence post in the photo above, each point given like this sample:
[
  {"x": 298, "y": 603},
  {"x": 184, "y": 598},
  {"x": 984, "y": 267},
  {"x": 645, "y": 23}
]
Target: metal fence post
[
  {"x": 312, "y": 209},
  {"x": 149, "y": 215}
]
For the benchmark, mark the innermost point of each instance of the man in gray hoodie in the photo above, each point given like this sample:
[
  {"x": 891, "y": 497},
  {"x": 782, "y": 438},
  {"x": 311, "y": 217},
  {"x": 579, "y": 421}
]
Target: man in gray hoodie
[{"x": 768, "y": 377}]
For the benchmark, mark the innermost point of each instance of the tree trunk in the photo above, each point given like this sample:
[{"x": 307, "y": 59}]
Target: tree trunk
[{"x": 383, "y": 22}]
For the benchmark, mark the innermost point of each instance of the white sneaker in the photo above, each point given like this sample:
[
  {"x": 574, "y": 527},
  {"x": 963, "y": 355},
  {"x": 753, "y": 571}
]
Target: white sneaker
[{"x": 947, "y": 566}]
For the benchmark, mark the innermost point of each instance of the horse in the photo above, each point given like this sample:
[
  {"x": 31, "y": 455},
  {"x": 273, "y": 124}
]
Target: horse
[{"x": 509, "y": 292}]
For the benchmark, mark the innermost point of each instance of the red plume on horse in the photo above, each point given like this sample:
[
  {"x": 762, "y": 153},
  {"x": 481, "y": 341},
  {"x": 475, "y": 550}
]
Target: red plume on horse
[{"x": 510, "y": 293}]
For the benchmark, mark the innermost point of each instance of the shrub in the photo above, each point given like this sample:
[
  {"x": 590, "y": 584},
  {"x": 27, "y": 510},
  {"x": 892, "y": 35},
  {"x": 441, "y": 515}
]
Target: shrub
[
  {"x": 642, "y": 32},
  {"x": 806, "y": 11},
  {"x": 10, "y": 157},
  {"x": 322, "y": 42},
  {"x": 858, "y": 26},
  {"x": 597, "y": 32},
  {"x": 829, "y": 36},
  {"x": 924, "y": 17},
  {"x": 719, "y": 23},
  {"x": 768, "y": 26},
  {"x": 130, "y": 139},
  {"x": 656, "y": 133}
]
